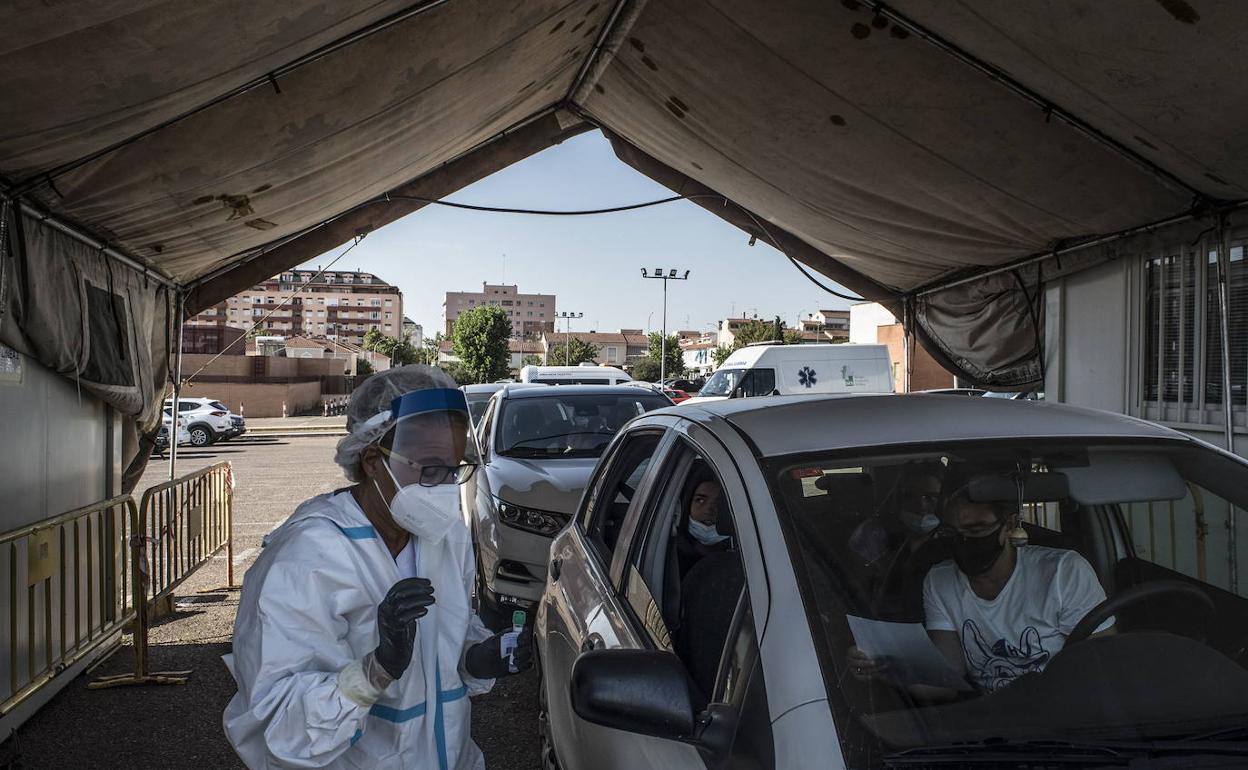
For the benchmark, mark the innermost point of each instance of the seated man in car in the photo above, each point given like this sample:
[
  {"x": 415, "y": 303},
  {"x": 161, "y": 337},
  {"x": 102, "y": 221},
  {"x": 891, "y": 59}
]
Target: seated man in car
[
  {"x": 903, "y": 542},
  {"x": 998, "y": 611},
  {"x": 696, "y": 534}
]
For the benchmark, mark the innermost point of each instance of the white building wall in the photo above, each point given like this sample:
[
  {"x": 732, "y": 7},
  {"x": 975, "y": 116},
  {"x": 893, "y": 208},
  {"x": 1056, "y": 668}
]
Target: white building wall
[{"x": 864, "y": 319}]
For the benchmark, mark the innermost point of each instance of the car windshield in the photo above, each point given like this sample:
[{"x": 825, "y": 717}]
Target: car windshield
[
  {"x": 580, "y": 425},
  {"x": 723, "y": 382},
  {"x": 1027, "y": 651}
]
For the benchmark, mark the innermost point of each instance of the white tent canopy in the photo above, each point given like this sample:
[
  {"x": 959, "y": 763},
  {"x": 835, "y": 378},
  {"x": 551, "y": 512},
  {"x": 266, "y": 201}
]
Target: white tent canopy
[{"x": 891, "y": 146}]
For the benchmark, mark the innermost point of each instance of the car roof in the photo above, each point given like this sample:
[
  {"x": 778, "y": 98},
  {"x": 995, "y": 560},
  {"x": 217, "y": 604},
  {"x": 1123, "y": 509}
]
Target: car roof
[
  {"x": 484, "y": 387},
  {"x": 793, "y": 424},
  {"x": 535, "y": 390}
]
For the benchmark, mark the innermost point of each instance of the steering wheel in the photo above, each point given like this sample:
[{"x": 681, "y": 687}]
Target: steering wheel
[{"x": 1132, "y": 596}]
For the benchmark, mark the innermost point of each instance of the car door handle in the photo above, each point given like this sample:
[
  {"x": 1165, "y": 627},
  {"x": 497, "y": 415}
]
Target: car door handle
[
  {"x": 591, "y": 642},
  {"x": 556, "y": 566}
]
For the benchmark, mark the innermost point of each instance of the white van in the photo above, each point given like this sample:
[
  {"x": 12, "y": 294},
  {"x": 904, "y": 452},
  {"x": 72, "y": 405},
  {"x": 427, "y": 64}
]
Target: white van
[
  {"x": 585, "y": 374},
  {"x": 794, "y": 370}
]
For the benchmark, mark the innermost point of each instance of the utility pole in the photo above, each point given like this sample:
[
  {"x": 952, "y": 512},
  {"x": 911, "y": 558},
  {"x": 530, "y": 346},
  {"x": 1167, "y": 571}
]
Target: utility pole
[
  {"x": 670, "y": 275},
  {"x": 567, "y": 350}
]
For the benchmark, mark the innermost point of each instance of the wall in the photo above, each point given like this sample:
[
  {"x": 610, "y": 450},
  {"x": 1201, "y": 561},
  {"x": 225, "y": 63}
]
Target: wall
[
  {"x": 864, "y": 317},
  {"x": 58, "y": 451},
  {"x": 274, "y": 366},
  {"x": 260, "y": 400},
  {"x": 1087, "y": 358},
  {"x": 925, "y": 373}
]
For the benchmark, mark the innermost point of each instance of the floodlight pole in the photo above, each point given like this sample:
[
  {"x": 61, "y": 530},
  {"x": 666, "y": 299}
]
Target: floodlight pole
[
  {"x": 670, "y": 275},
  {"x": 567, "y": 349}
]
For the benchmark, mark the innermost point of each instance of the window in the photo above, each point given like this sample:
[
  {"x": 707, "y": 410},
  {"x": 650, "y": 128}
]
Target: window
[
  {"x": 1181, "y": 367},
  {"x": 613, "y": 490}
]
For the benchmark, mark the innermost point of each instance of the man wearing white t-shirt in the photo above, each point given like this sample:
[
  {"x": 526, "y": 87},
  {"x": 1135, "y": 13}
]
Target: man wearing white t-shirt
[{"x": 998, "y": 611}]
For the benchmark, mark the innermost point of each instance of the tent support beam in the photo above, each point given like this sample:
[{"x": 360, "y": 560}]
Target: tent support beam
[
  {"x": 267, "y": 80},
  {"x": 1049, "y": 108},
  {"x": 1098, "y": 241},
  {"x": 43, "y": 217},
  {"x": 600, "y": 43}
]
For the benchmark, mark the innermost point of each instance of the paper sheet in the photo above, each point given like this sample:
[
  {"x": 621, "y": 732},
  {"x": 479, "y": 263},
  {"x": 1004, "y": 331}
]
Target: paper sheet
[{"x": 911, "y": 656}]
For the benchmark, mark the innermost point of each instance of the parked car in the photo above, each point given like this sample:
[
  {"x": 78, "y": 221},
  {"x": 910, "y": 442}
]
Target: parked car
[
  {"x": 677, "y": 396},
  {"x": 538, "y": 447},
  {"x": 786, "y": 370},
  {"x": 478, "y": 396},
  {"x": 689, "y": 386},
  {"x": 953, "y": 392},
  {"x": 208, "y": 420},
  {"x": 1010, "y": 395},
  {"x": 740, "y": 660},
  {"x": 162, "y": 436}
]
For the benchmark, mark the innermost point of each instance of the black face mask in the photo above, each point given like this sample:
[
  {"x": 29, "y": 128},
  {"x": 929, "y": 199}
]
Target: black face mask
[{"x": 976, "y": 555}]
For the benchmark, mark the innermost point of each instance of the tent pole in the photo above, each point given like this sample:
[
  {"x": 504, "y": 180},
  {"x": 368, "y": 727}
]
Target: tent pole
[
  {"x": 1224, "y": 305},
  {"x": 177, "y": 388}
]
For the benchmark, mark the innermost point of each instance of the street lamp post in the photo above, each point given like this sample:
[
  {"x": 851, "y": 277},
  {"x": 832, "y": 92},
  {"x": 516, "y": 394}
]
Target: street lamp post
[
  {"x": 670, "y": 275},
  {"x": 567, "y": 350}
]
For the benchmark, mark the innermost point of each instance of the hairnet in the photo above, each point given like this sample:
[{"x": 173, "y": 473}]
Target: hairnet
[{"x": 373, "y": 398}]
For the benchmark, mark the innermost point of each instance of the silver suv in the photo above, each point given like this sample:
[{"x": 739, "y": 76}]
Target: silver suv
[{"x": 539, "y": 446}]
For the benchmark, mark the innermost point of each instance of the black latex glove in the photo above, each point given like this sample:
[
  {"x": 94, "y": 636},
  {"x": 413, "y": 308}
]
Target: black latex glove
[
  {"x": 407, "y": 600},
  {"x": 485, "y": 660}
]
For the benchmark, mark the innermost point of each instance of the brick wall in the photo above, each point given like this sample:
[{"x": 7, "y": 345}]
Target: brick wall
[
  {"x": 925, "y": 373},
  {"x": 260, "y": 400},
  {"x": 273, "y": 366}
]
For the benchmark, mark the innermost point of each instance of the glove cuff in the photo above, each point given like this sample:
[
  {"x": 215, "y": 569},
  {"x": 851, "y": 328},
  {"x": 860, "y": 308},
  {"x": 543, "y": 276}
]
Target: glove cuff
[{"x": 363, "y": 681}]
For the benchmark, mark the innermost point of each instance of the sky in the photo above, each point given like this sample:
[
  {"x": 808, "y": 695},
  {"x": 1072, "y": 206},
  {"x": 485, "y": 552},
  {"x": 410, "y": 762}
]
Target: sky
[{"x": 591, "y": 263}]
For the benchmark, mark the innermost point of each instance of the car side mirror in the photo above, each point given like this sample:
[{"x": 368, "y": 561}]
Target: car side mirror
[{"x": 639, "y": 691}]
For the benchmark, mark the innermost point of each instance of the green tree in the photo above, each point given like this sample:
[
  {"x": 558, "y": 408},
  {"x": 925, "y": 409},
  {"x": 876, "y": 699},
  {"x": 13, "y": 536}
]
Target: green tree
[
  {"x": 720, "y": 354},
  {"x": 427, "y": 353},
  {"x": 460, "y": 374},
  {"x": 675, "y": 357},
  {"x": 570, "y": 352},
  {"x": 531, "y": 360},
  {"x": 646, "y": 369},
  {"x": 481, "y": 336},
  {"x": 791, "y": 337},
  {"x": 363, "y": 366},
  {"x": 755, "y": 331},
  {"x": 400, "y": 352}
]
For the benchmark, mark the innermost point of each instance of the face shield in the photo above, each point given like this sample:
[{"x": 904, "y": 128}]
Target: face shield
[{"x": 430, "y": 444}]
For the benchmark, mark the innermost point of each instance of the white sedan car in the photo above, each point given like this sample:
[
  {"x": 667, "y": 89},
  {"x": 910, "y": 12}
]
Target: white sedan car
[{"x": 733, "y": 648}]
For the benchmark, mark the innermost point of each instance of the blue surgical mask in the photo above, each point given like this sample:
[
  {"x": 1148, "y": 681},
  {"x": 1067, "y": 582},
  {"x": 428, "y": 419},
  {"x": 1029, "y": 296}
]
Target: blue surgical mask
[
  {"x": 919, "y": 523},
  {"x": 706, "y": 534}
]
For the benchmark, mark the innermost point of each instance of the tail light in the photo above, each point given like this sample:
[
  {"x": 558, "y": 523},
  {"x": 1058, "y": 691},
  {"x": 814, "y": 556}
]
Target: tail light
[{"x": 219, "y": 414}]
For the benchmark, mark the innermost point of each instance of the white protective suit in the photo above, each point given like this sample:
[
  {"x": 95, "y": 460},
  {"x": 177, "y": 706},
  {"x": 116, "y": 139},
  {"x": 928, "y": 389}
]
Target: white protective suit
[{"x": 308, "y": 609}]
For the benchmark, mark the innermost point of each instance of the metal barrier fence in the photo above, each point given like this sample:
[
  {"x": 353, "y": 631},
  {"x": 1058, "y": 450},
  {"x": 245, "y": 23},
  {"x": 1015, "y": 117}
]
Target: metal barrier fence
[
  {"x": 69, "y": 588},
  {"x": 180, "y": 525}
]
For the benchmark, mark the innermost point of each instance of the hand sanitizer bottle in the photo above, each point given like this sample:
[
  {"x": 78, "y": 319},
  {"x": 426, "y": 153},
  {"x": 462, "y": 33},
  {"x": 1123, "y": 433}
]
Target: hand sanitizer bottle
[{"x": 507, "y": 645}]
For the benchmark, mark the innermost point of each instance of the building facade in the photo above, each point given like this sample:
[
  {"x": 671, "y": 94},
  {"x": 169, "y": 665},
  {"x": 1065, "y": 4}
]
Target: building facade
[
  {"x": 342, "y": 305},
  {"x": 614, "y": 348},
  {"x": 531, "y": 315},
  {"x": 870, "y": 323}
]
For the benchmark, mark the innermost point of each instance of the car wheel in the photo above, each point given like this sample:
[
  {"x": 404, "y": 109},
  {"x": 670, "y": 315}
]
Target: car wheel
[{"x": 201, "y": 436}]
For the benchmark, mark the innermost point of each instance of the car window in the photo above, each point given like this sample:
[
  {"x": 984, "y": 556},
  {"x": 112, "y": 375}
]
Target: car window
[
  {"x": 566, "y": 425},
  {"x": 487, "y": 422},
  {"x": 1141, "y": 531},
  {"x": 759, "y": 382},
  {"x": 186, "y": 406},
  {"x": 686, "y": 572},
  {"x": 220, "y": 406},
  {"x": 619, "y": 478}
]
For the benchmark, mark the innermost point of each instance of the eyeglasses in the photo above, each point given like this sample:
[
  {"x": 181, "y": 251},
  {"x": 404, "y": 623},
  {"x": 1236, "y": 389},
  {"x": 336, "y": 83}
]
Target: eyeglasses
[{"x": 433, "y": 475}]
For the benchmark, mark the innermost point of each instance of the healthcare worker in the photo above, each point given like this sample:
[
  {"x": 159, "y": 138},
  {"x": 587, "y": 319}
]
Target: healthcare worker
[{"x": 355, "y": 645}]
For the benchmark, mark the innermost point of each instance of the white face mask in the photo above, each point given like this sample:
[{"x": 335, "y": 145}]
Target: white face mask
[
  {"x": 919, "y": 523},
  {"x": 426, "y": 512},
  {"x": 706, "y": 534}
]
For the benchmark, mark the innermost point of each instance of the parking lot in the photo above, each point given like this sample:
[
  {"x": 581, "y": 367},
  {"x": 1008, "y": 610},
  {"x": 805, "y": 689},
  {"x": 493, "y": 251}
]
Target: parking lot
[{"x": 180, "y": 726}]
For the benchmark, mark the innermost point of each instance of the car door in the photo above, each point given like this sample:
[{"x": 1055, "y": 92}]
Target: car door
[
  {"x": 478, "y": 483},
  {"x": 581, "y": 609}
]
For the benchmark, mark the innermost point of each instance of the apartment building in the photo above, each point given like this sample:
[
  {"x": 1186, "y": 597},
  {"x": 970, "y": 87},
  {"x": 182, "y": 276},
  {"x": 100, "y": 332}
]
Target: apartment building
[
  {"x": 340, "y": 305},
  {"x": 531, "y": 314}
]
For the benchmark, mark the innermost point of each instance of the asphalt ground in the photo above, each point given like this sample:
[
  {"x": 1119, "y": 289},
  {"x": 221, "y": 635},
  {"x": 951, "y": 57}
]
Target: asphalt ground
[{"x": 179, "y": 726}]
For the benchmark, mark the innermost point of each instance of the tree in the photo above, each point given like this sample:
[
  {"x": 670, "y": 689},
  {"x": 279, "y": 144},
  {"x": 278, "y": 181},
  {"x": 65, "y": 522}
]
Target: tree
[
  {"x": 720, "y": 354},
  {"x": 460, "y": 374},
  {"x": 792, "y": 337},
  {"x": 400, "y": 352},
  {"x": 363, "y": 366},
  {"x": 755, "y": 331},
  {"x": 531, "y": 360},
  {"x": 646, "y": 369},
  {"x": 570, "y": 352},
  {"x": 675, "y": 357},
  {"x": 481, "y": 336},
  {"x": 428, "y": 352}
]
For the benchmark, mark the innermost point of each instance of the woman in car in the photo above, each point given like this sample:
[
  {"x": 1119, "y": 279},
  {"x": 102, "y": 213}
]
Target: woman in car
[{"x": 696, "y": 532}]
